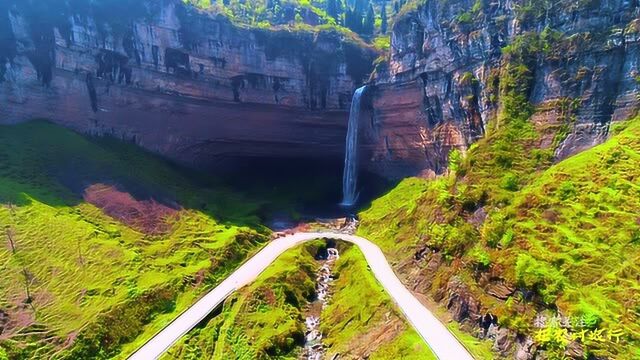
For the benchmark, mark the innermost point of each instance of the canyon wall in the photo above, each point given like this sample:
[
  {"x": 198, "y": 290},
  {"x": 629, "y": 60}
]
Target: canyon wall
[
  {"x": 438, "y": 88},
  {"x": 186, "y": 84},
  {"x": 200, "y": 90}
]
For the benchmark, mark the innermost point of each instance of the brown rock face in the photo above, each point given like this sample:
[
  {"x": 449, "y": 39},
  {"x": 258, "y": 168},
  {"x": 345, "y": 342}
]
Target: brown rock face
[
  {"x": 439, "y": 86},
  {"x": 182, "y": 83},
  {"x": 461, "y": 303}
]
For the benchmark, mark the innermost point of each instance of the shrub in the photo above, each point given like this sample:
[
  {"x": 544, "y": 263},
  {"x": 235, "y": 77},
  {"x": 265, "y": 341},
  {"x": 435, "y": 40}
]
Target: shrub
[
  {"x": 468, "y": 79},
  {"x": 451, "y": 240},
  {"x": 455, "y": 159},
  {"x": 382, "y": 43},
  {"x": 480, "y": 257},
  {"x": 540, "y": 276},
  {"x": 509, "y": 182},
  {"x": 589, "y": 317},
  {"x": 464, "y": 18},
  {"x": 494, "y": 229},
  {"x": 566, "y": 190},
  {"x": 507, "y": 238}
]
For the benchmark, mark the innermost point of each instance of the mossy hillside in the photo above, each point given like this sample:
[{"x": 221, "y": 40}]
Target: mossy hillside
[
  {"x": 576, "y": 239},
  {"x": 92, "y": 280},
  {"x": 551, "y": 232},
  {"x": 568, "y": 233},
  {"x": 491, "y": 170},
  {"x": 262, "y": 320},
  {"x": 361, "y": 312},
  {"x": 266, "y": 318}
]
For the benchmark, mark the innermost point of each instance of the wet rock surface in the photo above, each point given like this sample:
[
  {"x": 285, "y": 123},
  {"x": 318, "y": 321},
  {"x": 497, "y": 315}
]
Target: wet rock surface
[{"x": 313, "y": 347}]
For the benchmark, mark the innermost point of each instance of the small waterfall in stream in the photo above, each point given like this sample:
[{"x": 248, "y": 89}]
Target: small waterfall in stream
[{"x": 350, "y": 175}]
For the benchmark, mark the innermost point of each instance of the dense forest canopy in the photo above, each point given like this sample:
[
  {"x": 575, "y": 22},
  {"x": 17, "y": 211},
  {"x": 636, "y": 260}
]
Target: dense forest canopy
[{"x": 367, "y": 18}]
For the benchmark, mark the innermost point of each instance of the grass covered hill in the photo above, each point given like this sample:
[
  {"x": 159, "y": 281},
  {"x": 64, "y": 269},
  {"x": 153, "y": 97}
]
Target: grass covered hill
[
  {"x": 102, "y": 243},
  {"x": 266, "y": 319},
  {"x": 527, "y": 239}
]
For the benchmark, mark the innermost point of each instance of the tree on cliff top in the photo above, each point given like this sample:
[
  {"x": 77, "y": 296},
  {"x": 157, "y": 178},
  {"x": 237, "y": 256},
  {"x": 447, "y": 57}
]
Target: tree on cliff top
[
  {"x": 368, "y": 26},
  {"x": 383, "y": 16}
]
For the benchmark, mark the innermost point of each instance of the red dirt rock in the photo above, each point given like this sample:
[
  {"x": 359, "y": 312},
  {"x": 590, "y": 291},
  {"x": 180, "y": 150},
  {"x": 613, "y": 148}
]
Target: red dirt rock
[{"x": 147, "y": 216}]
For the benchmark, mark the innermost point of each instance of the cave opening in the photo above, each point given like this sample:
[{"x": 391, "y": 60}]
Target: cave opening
[{"x": 295, "y": 190}]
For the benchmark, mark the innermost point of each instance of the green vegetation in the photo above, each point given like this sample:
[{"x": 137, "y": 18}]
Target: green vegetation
[
  {"x": 362, "y": 17},
  {"x": 78, "y": 283},
  {"x": 263, "y": 320},
  {"x": 361, "y": 319},
  {"x": 266, "y": 318},
  {"x": 568, "y": 232},
  {"x": 480, "y": 349},
  {"x": 563, "y": 236}
]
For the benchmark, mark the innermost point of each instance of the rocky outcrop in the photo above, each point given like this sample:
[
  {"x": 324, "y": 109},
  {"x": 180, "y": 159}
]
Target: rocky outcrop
[
  {"x": 183, "y": 83},
  {"x": 439, "y": 86}
]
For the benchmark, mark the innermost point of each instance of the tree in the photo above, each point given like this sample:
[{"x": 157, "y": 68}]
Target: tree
[
  {"x": 383, "y": 16},
  {"x": 352, "y": 20},
  {"x": 332, "y": 9},
  {"x": 359, "y": 8},
  {"x": 340, "y": 10},
  {"x": 369, "y": 21},
  {"x": 28, "y": 279},
  {"x": 10, "y": 236}
]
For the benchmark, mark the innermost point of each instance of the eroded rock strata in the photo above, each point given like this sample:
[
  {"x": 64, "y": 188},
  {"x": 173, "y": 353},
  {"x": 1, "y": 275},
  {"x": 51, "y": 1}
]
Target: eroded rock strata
[
  {"x": 196, "y": 88},
  {"x": 186, "y": 84},
  {"x": 439, "y": 86}
]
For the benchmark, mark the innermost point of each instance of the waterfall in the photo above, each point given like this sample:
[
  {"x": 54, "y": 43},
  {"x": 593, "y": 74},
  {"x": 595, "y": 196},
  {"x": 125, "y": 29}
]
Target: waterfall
[{"x": 350, "y": 175}]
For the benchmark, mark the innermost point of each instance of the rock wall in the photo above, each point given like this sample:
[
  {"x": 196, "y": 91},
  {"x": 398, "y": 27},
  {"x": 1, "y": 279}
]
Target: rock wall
[
  {"x": 186, "y": 84},
  {"x": 198, "y": 89},
  {"x": 437, "y": 89}
]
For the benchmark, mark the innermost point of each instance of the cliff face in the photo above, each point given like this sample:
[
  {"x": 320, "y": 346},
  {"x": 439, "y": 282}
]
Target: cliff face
[
  {"x": 199, "y": 90},
  {"x": 185, "y": 84},
  {"x": 439, "y": 86}
]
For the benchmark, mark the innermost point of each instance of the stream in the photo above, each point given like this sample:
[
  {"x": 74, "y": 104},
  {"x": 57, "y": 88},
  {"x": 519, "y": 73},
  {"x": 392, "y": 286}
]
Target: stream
[{"x": 313, "y": 347}]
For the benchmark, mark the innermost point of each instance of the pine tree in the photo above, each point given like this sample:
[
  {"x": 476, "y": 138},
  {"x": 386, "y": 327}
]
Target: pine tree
[
  {"x": 359, "y": 9},
  {"x": 331, "y": 9},
  {"x": 383, "y": 16},
  {"x": 369, "y": 21},
  {"x": 353, "y": 20}
]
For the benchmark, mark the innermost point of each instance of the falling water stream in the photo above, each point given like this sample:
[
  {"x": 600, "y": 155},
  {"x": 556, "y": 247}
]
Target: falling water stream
[{"x": 350, "y": 176}]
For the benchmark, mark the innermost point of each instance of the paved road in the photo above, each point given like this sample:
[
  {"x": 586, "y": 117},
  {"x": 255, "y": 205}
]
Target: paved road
[{"x": 443, "y": 344}]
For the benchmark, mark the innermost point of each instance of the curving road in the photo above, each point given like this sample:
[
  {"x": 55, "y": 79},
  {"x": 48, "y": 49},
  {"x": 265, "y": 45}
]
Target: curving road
[{"x": 443, "y": 344}]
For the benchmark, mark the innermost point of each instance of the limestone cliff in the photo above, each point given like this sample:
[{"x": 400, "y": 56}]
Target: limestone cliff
[
  {"x": 438, "y": 88},
  {"x": 183, "y": 83},
  {"x": 198, "y": 89}
]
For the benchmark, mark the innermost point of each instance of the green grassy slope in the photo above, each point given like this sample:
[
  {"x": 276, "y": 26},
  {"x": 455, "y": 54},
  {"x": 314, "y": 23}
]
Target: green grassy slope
[
  {"x": 262, "y": 320},
  {"x": 266, "y": 318},
  {"x": 81, "y": 284},
  {"x": 361, "y": 318},
  {"x": 566, "y": 238}
]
